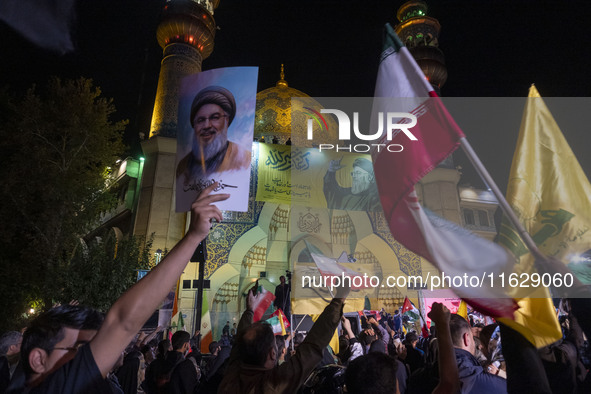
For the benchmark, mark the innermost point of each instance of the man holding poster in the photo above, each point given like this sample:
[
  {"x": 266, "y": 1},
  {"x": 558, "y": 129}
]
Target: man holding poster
[{"x": 216, "y": 122}]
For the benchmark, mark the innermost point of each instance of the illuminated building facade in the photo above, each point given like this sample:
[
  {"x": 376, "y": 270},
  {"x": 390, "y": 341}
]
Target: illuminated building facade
[{"x": 263, "y": 242}]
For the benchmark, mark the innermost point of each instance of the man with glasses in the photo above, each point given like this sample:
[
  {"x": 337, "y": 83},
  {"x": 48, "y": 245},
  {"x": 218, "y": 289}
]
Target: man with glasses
[
  {"x": 361, "y": 196},
  {"x": 53, "y": 339},
  {"x": 212, "y": 112},
  {"x": 65, "y": 352}
]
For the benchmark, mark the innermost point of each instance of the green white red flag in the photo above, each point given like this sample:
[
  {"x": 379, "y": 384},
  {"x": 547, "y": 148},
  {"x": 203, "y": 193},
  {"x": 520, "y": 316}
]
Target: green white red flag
[
  {"x": 452, "y": 249},
  {"x": 263, "y": 299}
]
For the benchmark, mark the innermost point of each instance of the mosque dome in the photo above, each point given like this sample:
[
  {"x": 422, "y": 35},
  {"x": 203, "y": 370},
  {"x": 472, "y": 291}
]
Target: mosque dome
[{"x": 275, "y": 111}]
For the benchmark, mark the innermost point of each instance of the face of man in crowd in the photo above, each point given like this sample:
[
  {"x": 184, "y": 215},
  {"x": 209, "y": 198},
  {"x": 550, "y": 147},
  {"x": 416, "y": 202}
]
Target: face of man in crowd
[
  {"x": 211, "y": 131},
  {"x": 361, "y": 180},
  {"x": 44, "y": 363}
]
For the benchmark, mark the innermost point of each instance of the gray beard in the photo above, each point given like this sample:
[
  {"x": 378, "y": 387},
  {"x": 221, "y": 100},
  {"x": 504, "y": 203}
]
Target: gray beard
[
  {"x": 359, "y": 186},
  {"x": 210, "y": 150}
]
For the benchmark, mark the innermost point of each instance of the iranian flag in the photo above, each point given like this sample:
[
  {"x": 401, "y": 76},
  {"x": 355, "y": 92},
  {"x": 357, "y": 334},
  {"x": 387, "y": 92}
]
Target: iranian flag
[
  {"x": 331, "y": 267},
  {"x": 205, "y": 329},
  {"x": 452, "y": 249},
  {"x": 263, "y": 299}
]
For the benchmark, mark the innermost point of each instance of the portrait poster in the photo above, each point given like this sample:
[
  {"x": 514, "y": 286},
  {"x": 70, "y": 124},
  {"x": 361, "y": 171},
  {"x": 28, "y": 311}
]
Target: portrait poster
[
  {"x": 215, "y": 134},
  {"x": 307, "y": 177}
]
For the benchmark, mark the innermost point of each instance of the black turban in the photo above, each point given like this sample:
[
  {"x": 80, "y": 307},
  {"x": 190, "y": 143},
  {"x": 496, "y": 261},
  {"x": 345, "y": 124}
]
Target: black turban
[{"x": 214, "y": 95}]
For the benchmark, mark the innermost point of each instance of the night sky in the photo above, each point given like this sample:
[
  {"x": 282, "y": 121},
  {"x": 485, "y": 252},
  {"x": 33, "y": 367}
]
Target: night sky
[{"x": 331, "y": 48}]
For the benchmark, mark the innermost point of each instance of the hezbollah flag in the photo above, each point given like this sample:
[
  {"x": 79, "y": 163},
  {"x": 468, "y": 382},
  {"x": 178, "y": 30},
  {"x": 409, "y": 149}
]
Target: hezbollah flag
[
  {"x": 334, "y": 341},
  {"x": 277, "y": 324},
  {"x": 463, "y": 310},
  {"x": 451, "y": 249},
  {"x": 550, "y": 193}
]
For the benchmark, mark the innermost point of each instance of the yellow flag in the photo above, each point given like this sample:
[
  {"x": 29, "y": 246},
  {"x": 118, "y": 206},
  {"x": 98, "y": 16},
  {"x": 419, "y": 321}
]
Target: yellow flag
[
  {"x": 301, "y": 176},
  {"x": 334, "y": 341},
  {"x": 550, "y": 194},
  {"x": 463, "y": 310}
]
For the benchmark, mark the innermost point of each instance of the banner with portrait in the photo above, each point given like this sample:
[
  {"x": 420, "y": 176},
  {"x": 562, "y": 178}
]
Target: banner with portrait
[
  {"x": 307, "y": 177},
  {"x": 214, "y": 136}
]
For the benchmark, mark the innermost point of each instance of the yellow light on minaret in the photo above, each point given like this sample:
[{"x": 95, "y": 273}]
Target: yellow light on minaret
[{"x": 186, "y": 34}]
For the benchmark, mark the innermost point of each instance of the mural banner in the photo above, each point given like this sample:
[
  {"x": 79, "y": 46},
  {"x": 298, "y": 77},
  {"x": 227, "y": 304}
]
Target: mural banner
[{"x": 306, "y": 177}]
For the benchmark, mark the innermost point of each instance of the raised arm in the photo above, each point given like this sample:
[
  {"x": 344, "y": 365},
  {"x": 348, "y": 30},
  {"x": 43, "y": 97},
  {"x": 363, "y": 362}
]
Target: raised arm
[
  {"x": 384, "y": 336},
  {"x": 449, "y": 378},
  {"x": 136, "y": 305},
  {"x": 151, "y": 336}
]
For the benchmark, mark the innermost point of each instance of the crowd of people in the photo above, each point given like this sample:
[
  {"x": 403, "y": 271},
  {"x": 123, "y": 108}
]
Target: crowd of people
[{"x": 75, "y": 349}]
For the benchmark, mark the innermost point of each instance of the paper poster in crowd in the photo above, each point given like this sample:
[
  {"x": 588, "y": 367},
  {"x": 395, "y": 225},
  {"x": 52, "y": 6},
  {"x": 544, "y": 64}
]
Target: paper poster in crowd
[{"x": 214, "y": 136}]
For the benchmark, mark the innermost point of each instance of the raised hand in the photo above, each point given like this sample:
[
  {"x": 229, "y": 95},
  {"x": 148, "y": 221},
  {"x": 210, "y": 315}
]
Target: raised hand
[
  {"x": 335, "y": 165},
  {"x": 203, "y": 212}
]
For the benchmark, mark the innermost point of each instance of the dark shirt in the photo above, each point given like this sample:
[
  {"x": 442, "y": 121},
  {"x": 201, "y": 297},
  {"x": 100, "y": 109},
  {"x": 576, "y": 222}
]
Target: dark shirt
[
  {"x": 153, "y": 373},
  {"x": 4, "y": 374},
  {"x": 115, "y": 385},
  {"x": 415, "y": 358},
  {"x": 81, "y": 375},
  {"x": 17, "y": 382},
  {"x": 183, "y": 375},
  {"x": 283, "y": 298},
  {"x": 473, "y": 378},
  {"x": 127, "y": 373}
]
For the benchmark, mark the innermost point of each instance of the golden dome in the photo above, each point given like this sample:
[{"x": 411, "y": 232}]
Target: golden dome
[{"x": 273, "y": 117}]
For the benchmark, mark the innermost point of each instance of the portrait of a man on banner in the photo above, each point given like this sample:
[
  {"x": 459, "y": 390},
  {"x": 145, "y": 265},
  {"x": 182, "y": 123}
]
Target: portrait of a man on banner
[{"x": 216, "y": 122}]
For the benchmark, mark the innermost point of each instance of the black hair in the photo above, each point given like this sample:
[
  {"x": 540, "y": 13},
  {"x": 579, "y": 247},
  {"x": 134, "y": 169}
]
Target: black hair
[
  {"x": 410, "y": 338},
  {"x": 366, "y": 339},
  {"x": 212, "y": 346},
  {"x": 255, "y": 343},
  {"x": 486, "y": 333},
  {"x": 163, "y": 347},
  {"x": 373, "y": 373},
  {"x": 47, "y": 329},
  {"x": 179, "y": 338},
  {"x": 145, "y": 349}
]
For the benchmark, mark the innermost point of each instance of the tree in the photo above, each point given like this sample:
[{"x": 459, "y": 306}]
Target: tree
[
  {"x": 57, "y": 148},
  {"x": 100, "y": 272}
]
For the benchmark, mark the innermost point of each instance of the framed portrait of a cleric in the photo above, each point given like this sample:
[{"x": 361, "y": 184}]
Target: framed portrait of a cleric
[{"x": 214, "y": 136}]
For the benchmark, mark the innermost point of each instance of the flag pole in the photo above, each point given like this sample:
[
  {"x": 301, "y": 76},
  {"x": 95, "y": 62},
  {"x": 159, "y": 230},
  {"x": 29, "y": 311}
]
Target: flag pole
[{"x": 527, "y": 239}]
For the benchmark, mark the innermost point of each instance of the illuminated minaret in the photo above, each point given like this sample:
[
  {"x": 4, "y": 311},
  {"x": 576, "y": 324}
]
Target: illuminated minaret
[
  {"x": 420, "y": 34},
  {"x": 186, "y": 34}
]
